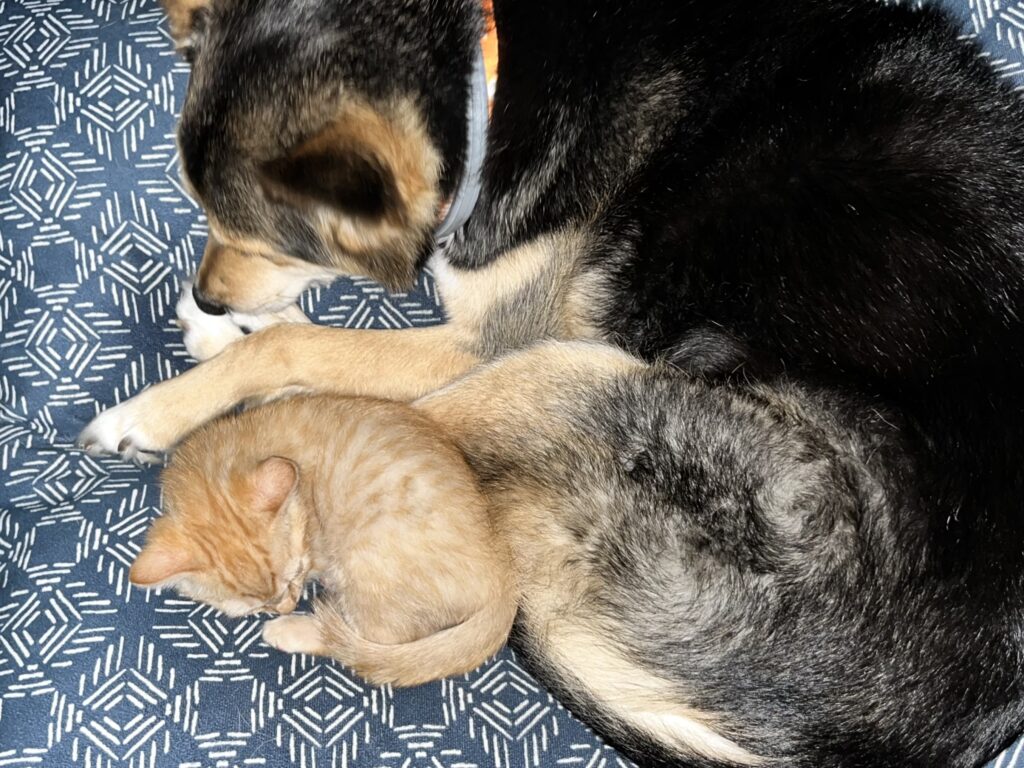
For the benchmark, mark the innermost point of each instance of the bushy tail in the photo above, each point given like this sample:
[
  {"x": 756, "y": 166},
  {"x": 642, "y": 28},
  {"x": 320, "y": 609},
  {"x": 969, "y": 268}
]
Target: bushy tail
[
  {"x": 621, "y": 698},
  {"x": 451, "y": 651}
]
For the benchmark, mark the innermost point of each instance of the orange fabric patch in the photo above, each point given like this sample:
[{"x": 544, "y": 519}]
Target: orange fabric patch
[{"x": 489, "y": 43}]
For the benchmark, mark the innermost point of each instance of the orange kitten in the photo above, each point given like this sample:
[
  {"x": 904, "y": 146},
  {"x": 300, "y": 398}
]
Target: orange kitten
[{"x": 365, "y": 495}]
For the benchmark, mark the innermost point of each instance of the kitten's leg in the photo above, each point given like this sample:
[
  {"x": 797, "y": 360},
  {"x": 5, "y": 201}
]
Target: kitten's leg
[
  {"x": 398, "y": 365},
  {"x": 294, "y": 634}
]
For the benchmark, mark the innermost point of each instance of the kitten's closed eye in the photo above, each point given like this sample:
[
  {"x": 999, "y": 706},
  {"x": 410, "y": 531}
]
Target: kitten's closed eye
[{"x": 237, "y": 608}]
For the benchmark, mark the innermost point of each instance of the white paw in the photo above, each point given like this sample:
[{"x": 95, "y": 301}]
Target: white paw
[
  {"x": 120, "y": 430},
  {"x": 205, "y": 335}
]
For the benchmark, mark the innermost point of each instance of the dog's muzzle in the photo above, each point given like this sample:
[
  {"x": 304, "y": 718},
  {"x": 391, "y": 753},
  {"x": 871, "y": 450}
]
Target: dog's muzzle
[{"x": 205, "y": 306}]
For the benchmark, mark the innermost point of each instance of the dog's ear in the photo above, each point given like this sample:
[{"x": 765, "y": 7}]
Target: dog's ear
[
  {"x": 186, "y": 19},
  {"x": 331, "y": 172},
  {"x": 372, "y": 178}
]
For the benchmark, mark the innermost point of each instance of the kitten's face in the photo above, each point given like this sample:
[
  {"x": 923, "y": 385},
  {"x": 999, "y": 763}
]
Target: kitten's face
[{"x": 228, "y": 541}]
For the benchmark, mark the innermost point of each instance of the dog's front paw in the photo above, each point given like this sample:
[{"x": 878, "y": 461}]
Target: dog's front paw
[
  {"x": 294, "y": 634},
  {"x": 120, "y": 430},
  {"x": 204, "y": 335}
]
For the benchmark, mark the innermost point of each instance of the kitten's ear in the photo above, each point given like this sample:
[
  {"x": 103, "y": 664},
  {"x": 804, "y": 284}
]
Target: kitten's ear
[
  {"x": 273, "y": 481},
  {"x": 158, "y": 563}
]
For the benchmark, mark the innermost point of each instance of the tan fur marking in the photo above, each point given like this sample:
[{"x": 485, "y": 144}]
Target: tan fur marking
[
  {"x": 393, "y": 135},
  {"x": 252, "y": 282},
  {"x": 522, "y": 382},
  {"x": 584, "y": 290},
  {"x": 397, "y": 137},
  {"x": 470, "y": 296},
  {"x": 179, "y": 15},
  {"x": 646, "y": 702}
]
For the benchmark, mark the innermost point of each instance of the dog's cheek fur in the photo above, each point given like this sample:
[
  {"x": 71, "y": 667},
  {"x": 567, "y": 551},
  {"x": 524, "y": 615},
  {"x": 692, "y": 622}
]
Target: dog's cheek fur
[
  {"x": 181, "y": 15},
  {"x": 254, "y": 283}
]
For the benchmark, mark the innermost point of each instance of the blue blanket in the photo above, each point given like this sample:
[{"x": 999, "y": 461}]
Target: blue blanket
[{"x": 96, "y": 235}]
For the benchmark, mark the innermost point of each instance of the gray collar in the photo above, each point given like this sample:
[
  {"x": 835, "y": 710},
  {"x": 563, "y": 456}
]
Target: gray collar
[{"x": 468, "y": 190}]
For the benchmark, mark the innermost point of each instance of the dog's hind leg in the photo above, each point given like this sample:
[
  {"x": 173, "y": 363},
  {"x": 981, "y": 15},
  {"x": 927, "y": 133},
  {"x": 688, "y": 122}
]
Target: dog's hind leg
[
  {"x": 398, "y": 365},
  {"x": 525, "y": 423},
  {"x": 630, "y": 700}
]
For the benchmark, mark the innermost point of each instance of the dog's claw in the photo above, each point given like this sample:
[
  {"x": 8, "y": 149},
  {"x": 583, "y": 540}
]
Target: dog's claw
[
  {"x": 89, "y": 443},
  {"x": 148, "y": 458}
]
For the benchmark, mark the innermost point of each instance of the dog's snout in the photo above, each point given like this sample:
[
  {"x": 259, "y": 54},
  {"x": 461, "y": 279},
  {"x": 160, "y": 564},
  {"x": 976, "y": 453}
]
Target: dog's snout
[{"x": 205, "y": 305}]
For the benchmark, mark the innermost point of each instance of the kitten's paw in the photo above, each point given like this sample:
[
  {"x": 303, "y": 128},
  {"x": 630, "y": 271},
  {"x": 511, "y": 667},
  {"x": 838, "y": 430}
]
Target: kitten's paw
[
  {"x": 294, "y": 634},
  {"x": 120, "y": 430},
  {"x": 205, "y": 335}
]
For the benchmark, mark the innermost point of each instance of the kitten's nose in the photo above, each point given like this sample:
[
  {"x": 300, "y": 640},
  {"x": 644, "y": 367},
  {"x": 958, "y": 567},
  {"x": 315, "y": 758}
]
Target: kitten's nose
[{"x": 206, "y": 306}]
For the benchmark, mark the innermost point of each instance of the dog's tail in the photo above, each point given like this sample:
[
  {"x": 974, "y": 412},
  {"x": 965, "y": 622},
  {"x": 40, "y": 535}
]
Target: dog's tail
[{"x": 450, "y": 651}]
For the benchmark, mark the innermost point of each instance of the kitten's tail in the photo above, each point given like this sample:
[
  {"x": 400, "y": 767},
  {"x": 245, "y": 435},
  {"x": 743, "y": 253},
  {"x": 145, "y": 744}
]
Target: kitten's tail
[{"x": 451, "y": 651}]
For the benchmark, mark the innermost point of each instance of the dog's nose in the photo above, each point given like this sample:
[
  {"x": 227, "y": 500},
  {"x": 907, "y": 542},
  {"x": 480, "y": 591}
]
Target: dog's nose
[{"x": 205, "y": 305}]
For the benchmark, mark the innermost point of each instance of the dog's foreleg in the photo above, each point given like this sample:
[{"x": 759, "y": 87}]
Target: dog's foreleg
[{"x": 398, "y": 365}]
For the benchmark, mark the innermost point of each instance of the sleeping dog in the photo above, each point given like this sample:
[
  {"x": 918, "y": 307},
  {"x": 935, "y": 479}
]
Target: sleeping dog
[{"x": 734, "y": 337}]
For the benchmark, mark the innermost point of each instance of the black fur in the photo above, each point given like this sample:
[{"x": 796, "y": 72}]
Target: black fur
[
  {"x": 815, "y": 208},
  {"x": 832, "y": 194}
]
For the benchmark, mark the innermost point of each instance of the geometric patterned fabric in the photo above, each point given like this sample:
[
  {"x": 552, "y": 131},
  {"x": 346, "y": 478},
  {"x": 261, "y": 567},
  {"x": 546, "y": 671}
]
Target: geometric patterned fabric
[{"x": 96, "y": 236}]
